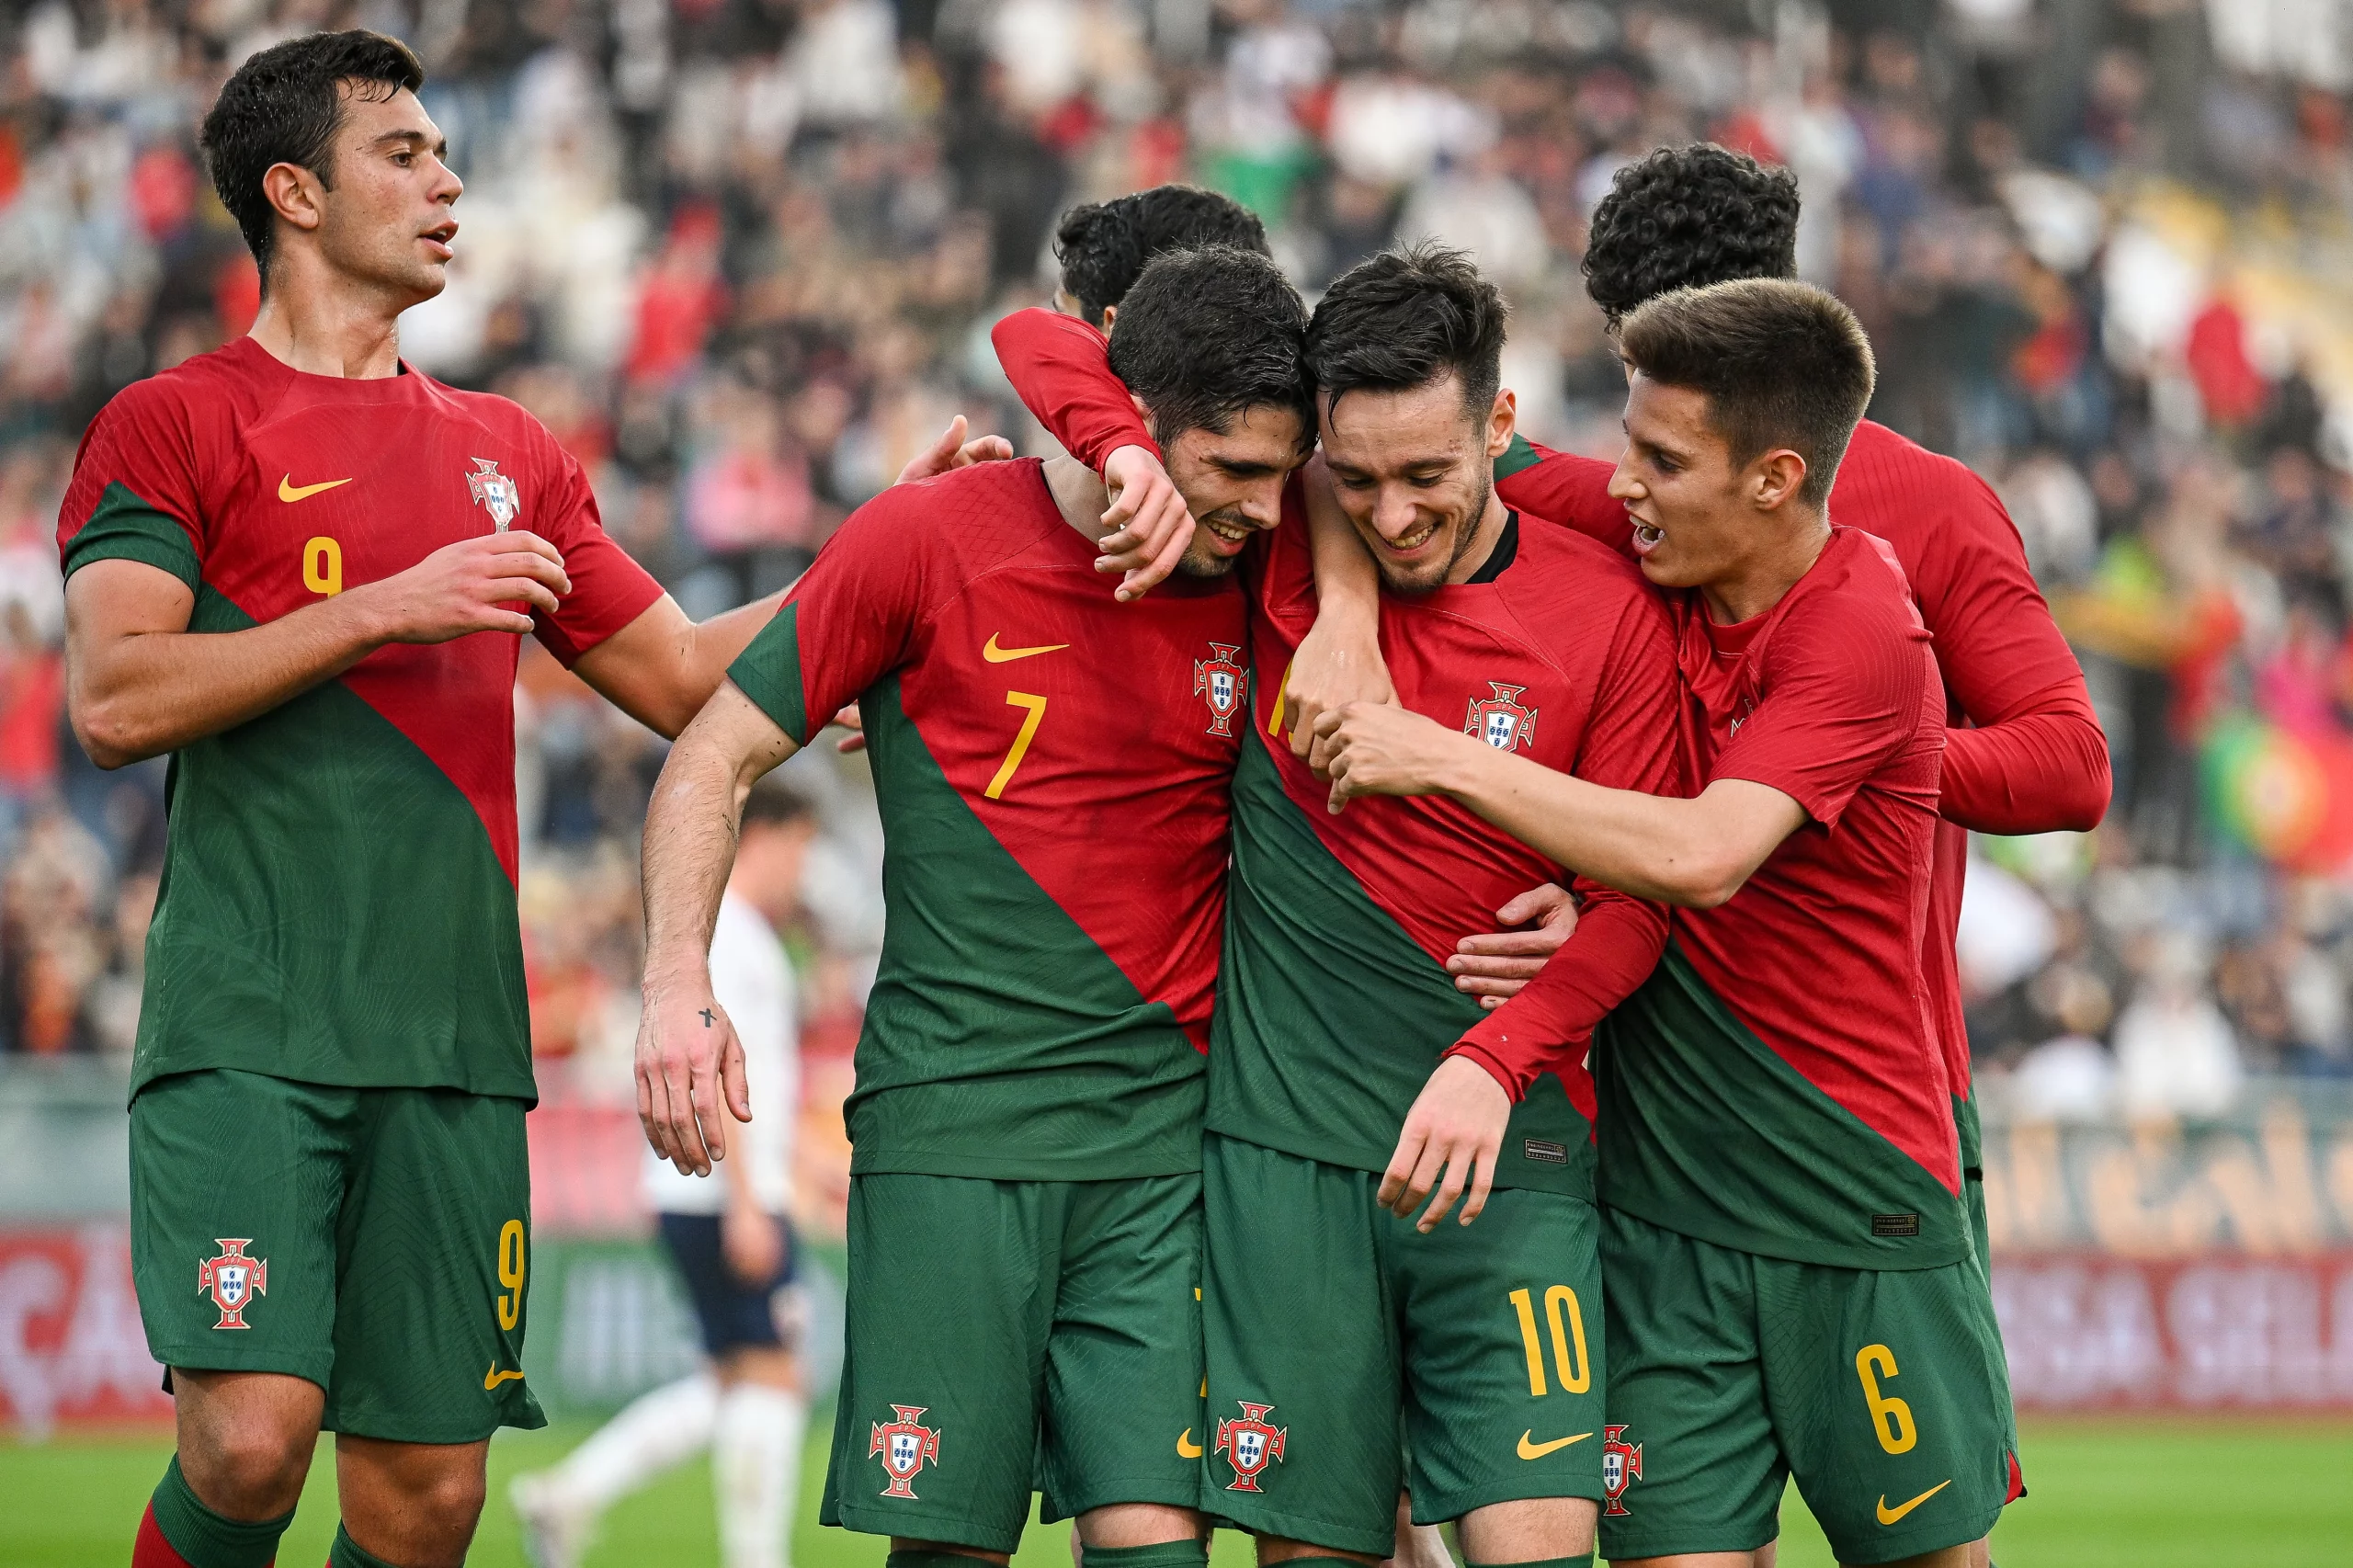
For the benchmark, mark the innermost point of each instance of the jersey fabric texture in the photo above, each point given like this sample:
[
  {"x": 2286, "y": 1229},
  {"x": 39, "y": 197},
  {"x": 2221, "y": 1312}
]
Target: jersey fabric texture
[
  {"x": 1051, "y": 768},
  {"x": 1775, "y": 1086},
  {"x": 1001, "y": 1334},
  {"x": 378, "y": 1245},
  {"x": 751, "y": 978},
  {"x": 1334, "y": 1325},
  {"x": 1882, "y": 1393},
  {"x": 339, "y": 889}
]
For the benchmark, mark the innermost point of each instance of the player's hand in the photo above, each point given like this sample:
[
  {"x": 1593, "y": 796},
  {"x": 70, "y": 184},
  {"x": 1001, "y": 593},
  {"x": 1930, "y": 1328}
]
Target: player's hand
[
  {"x": 753, "y": 1241},
  {"x": 1373, "y": 748},
  {"x": 852, "y": 719},
  {"x": 1494, "y": 965},
  {"x": 1456, "y": 1129},
  {"x": 952, "y": 451},
  {"x": 472, "y": 585},
  {"x": 1150, "y": 527},
  {"x": 1338, "y": 663},
  {"x": 688, "y": 1061}
]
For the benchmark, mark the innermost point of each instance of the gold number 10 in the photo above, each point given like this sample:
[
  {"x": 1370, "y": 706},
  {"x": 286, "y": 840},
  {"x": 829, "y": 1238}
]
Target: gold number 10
[
  {"x": 1037, "y": 707},
  {"x": 1576, "y": 1375}
]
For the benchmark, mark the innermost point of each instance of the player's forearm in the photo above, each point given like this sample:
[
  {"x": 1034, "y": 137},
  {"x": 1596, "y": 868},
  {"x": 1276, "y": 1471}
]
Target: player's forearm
[
  {"x": 1347, "y": 583},
  {"x": 141, "y": 694},
  {"x": 661, "y": 668},
  {"x": 690, "y": 832},
  {"x": 1563, "y": 487},
  {"x": 1548, "y": 1025},
  {"x": 1061, "y": 368},
  {"x": 2041, "y": 772}
]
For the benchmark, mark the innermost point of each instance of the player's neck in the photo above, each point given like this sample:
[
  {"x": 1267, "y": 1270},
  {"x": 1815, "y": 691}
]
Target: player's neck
[
  {"x": 327, "y": 326},
  {"x": 1079, "y": 494},
  {"x": 1759, "y": 580},
  {"x": 1483, "y": 540}
]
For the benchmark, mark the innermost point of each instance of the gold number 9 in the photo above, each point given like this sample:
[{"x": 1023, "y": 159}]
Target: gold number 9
[{"x": 510, "y": 1273}]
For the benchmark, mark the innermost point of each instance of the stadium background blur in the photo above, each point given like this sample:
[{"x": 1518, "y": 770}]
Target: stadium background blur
[{"x": 742, "y": 256}]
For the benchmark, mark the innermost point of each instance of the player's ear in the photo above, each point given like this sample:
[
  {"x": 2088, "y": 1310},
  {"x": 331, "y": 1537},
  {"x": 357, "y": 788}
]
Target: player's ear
[
  {"x": 1777, "y": 477},
  {"x": 1502, "y": 420},
  {"x": 295, "y": 194},
  {"x": 1111, "y": 314}
]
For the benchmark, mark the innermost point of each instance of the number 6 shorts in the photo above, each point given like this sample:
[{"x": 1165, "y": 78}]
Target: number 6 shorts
[
  {"x": 1000, "y": 1336},
  {"x": 1333, "y": 1328},
  {"x": 1883, "y": 1393},
  {"x": 375, "y": 1242}
]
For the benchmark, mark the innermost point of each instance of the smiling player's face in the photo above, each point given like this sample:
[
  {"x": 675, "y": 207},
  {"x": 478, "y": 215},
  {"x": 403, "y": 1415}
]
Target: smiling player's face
[
  {"x": 1414, "y": 471},
  {"x": 386, "y": 221},
  {"x": 1232, "y": 482}
]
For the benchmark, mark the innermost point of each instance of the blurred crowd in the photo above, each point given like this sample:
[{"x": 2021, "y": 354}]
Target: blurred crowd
[{"x": 742, "y": 256}]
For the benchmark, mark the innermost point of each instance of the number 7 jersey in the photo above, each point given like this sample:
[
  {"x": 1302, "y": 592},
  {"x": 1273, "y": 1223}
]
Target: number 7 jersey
[{"x": 1052, "y": 769}]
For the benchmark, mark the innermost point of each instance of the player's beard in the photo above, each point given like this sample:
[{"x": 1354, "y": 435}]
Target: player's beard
[
  {"x": 1466, "y": 534},
  {"x": 1200, "y": 559}
]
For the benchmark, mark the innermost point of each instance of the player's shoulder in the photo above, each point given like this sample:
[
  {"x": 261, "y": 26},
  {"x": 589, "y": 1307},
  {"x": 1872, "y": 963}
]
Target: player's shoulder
[
  {"x": 1570, "y": 579},
  {"x": 975, "y": 516},
  {"x": 1891, "y": 486},
  {"x": 498, "y": 415},
  {"x": 203, "y": 390}
]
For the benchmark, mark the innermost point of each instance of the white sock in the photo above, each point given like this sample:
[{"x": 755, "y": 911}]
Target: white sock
[
  {"x": 756, "y": 1469},
  {"x": 651, "y": 1433}
]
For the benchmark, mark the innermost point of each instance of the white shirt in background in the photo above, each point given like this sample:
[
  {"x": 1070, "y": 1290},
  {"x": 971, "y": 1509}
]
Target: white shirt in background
[{"x": 753, "y": 981}]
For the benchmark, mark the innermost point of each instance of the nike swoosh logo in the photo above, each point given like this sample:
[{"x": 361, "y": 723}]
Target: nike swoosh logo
[
  {"x": 1530, "y": 1450},
  {"x": 1888, "y": 1515},
  {"x": 996, "y": 655},
  {"x": 1186, "y": 1448},
  {"x": 289, "y": 491},
  {"x": 493, "y": 1378}
]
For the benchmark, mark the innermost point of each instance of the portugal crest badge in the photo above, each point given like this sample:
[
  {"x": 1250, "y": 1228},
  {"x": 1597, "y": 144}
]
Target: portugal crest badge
[
  {"x": 1500, "y": 721},
  {"x": 1621, "y": 1465},
  {"x": 496, "y": 494},
  {"x": 1223, "y": 684},
  {"x": 905, "y": 1445},
  {"x": 1248, "y": 1443},
  {"x": 233, "y": 1281}
]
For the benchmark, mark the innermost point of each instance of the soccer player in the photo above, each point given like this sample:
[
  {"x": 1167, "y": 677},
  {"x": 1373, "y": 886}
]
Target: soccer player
[
  {"x": 1103, "y": 246},
  {"x": 731, "y": 1243},
  {"x": 300, "y": 567},
  {"x": 1792, "y": 1287},
  {"x": 1052, "y": 769},
  {"x": 1331, "y": 1321}
]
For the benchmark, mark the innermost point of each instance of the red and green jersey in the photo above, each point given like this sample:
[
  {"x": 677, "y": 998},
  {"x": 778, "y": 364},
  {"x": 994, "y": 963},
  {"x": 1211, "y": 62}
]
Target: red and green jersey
[
  {"x": 338, "y": 889},
  {"x": 1051, "y": 768},
  {"x": 1776, "y": 1085},
  {"x": 1334, "y": 1002}
]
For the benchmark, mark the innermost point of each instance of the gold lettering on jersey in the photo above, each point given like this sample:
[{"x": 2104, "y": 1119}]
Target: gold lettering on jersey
[
  {"x": 289, "y": 491},
  {"x": 323, "y": 567}
]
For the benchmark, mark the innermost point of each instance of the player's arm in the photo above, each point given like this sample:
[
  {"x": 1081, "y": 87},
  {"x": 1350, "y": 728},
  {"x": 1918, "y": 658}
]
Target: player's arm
[
  {"x": 2035, "y": 759},
  {"x": 688, "y": 1055},
  {"x": 1563, "y": 487},
  {"x": 139, "y": 683},
  {"x": 1061, "y": 368},
  {"x": 662, "y": 667},
  {"x": 1339, "y": 660}
]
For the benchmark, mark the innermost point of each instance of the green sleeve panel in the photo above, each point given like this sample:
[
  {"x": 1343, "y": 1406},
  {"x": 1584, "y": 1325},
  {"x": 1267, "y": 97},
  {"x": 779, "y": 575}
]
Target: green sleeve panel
[
  {"x": 1706, "y": 1131},
  {"x": 1517, "y": 455},
  {"x": 1000, "y": 1041},
  {"x": 1330, "y": 1017},
  {"x": 274, "y": 948},
  {"x": 122, "y": 527},
  {"x": 768, "y": 672}
]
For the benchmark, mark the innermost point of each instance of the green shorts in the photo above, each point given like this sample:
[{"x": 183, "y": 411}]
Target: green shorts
[
  {"x": 376, "y": 1241},
  {"x": 1005, "y": 1333},
  {"x": 1880, "y": 1392},
  {"x": 1333, "y": 1326}
]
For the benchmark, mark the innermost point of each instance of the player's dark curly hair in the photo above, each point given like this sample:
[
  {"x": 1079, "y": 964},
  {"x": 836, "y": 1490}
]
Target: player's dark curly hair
[
  {"x": 1103, "y": 245},
  {"x": 1687, "y": 216},
  {"x": 1405, "y": 317},
  {"x": 1205, "y": 334},
  {"x": 282, "y": 107}
]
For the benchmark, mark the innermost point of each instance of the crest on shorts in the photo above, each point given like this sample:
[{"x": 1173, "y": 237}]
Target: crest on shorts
[
  {"x": 233, "y": 1280},
  {"x": 1621, "y": 1466},
  {"x": 500, "y": 495},
  {"x": 1500, "y": 721},
  {"x": 905, "y": 1444},
  {"x": 1248, "y": 1443},
  {"x": 1224, "y": 683}
]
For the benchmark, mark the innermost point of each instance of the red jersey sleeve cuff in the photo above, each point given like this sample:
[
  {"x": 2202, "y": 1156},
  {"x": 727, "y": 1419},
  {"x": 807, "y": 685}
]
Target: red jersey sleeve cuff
[{"x": 1514, "y": 1085}]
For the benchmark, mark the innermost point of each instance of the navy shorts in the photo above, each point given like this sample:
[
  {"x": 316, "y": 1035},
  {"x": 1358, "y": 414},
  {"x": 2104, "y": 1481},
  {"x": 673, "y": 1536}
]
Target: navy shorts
[{"x": 733, "y": 1315}]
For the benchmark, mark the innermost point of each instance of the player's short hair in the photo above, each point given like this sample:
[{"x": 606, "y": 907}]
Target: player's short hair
[
  {"x": 1405, "y": 318},
  {"x": 1684, "y": 217},
  {"x": 1103, "y": 245},
  {"x": 284, "y": 105},
  {"x": 776, "y": 802},
  {"x": 1782, "y": 364},
  {"x": 1205, "y": 334}
]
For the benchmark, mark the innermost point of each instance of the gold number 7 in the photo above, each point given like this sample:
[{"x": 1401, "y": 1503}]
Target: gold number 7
[{"x": 1037, "y": 707}]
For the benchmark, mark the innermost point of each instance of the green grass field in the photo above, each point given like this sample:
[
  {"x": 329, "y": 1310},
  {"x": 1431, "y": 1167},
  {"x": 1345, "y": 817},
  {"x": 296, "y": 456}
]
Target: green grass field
[{"x": 2186, "y": 1494}]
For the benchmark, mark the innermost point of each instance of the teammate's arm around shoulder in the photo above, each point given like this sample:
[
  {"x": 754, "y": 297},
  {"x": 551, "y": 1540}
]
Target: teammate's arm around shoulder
[
  {"x": 687, "y": 1054},
  {"x": 139, "y": 683},
  {"x": 1339, "y": 660}
]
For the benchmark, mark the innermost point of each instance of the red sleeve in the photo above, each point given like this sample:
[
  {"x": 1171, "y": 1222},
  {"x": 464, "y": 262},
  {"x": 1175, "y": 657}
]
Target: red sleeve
[
  {"x": 2036, "y": 761},
  {"x": 1561, "y": 487},
  {"x": 136, "y": 490},
  {"x": 1629, "y": 744},
  {"x": 1062, "y": 369},
  {"x": 1839, "y": 694},
  {"x": 608, "y": 588},
  {"x": 849, "y": 620}
]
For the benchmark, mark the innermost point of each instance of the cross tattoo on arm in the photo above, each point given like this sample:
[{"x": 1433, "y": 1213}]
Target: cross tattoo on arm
[{"x": 709, "y": 1019}]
